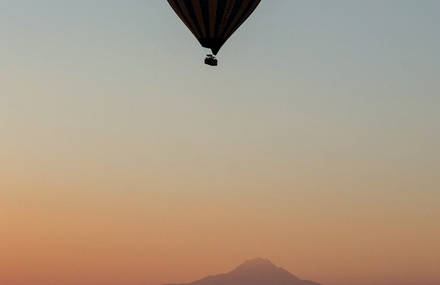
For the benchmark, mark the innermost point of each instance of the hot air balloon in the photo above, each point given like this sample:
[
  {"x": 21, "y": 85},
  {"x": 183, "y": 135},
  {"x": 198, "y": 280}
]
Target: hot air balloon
[{"x": 213, "y": 21}]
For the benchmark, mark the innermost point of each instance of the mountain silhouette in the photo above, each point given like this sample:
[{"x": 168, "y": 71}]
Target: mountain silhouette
[{"x": 253, "y": 272}]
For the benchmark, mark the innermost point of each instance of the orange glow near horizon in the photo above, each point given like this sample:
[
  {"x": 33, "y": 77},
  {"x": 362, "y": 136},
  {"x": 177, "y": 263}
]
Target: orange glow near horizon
[{"x": 117, "y": 237}]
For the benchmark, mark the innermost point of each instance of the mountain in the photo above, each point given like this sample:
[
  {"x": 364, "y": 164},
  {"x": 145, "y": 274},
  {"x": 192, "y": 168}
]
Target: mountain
[{"x": 253, "y": 272}]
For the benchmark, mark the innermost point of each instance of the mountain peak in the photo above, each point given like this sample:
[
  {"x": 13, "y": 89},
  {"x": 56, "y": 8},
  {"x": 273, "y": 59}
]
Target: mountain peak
[
  {"x": 256, "y": 264},
  {"x": 257, "y": 271}
]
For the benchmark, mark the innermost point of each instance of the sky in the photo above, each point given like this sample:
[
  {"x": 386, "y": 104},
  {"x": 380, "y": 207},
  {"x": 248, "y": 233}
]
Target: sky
[{"x": 124, "y": 160}]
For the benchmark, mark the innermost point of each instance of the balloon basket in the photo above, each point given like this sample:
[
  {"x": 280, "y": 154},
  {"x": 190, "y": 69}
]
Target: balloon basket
[{"x": 211, "y": 60}]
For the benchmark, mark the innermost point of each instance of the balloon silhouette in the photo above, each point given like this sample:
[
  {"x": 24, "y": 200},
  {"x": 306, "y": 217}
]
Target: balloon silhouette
[{"x": 213, "y": 21}]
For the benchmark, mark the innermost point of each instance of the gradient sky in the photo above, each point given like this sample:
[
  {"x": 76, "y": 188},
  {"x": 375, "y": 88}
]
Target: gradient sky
[{"x": 126, "y": 161}]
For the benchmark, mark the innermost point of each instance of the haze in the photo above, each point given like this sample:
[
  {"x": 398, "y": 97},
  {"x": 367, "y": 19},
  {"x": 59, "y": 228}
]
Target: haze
[{"x": 125, "y": 161}]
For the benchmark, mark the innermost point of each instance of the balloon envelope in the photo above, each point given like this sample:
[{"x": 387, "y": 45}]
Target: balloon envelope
[{"x": 213, "y": 21}]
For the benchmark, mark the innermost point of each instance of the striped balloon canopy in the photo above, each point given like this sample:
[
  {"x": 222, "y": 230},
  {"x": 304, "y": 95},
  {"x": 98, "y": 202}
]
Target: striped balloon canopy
[{"x": 213, "y": 21}]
